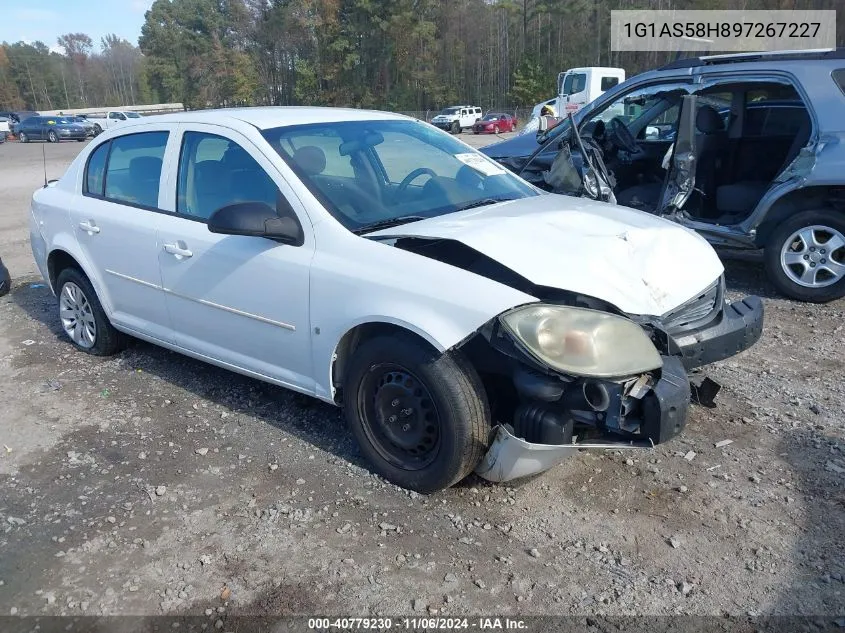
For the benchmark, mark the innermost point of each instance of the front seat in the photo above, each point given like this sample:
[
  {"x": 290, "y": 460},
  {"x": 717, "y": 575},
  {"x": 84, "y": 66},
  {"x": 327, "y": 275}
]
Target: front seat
[
  {"x": 737, "y": 200},
  {"x": 710, "y": 140},
  {"x": 310, "y": 159},
  {"x": 211, "y": 190}
]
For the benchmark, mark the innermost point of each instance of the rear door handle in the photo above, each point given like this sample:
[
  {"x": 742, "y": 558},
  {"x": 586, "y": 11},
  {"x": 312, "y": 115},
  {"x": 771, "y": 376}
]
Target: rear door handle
[
  {"x": 89, "y": 226},
  {"x": 179, "y": 250}
]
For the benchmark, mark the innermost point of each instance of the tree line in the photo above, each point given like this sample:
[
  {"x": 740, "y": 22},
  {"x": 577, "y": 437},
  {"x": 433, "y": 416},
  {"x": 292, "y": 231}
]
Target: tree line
[{"x": 388, "y": 54}]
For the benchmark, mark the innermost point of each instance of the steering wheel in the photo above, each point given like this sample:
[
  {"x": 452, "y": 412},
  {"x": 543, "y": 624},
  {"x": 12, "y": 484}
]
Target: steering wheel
[
  {"x": 407, "y": 180},
  {"x": 622, "y": 137}
]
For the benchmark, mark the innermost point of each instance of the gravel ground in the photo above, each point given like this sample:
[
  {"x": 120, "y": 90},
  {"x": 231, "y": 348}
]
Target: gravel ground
[{"x": 149, "y": 483}]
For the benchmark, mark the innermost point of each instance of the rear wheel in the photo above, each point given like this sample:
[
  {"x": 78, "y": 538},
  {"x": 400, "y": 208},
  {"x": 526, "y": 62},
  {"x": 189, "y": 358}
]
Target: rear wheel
[
  {"x": 83, "y": 318},
  {"x": 420, "y": 417},
  {"x": 805, "y": 256},
  {"x": 97, "y": 129}
]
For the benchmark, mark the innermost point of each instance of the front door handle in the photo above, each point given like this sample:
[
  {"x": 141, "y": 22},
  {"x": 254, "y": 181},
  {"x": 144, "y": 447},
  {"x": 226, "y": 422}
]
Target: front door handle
[
  {"x": 89, "y": 226},
  {"x": 179, "y": 249}
]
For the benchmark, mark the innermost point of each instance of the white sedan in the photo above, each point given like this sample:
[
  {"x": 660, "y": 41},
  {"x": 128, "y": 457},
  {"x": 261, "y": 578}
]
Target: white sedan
[{"x": 464, "y": 319}]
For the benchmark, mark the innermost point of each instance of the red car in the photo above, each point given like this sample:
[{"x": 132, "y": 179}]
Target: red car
[{"x": 495, "y": 122}]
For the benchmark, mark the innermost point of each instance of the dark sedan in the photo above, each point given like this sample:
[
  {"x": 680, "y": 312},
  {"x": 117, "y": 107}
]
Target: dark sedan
[
  {"x": 494, "y": 123},
  {"x": 51, "y": 128}
]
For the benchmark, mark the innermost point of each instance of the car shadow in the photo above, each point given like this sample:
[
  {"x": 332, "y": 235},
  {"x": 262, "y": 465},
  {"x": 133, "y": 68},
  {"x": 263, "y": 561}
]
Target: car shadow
[{"x": 307, "y": 418}]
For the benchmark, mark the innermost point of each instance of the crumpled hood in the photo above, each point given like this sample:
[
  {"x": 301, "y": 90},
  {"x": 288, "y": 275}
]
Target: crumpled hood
[{"x": 638, "y": 262}]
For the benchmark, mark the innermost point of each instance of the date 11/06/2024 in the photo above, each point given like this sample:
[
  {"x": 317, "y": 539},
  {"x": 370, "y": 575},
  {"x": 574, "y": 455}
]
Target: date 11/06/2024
[{"x": 417, "y": 624}]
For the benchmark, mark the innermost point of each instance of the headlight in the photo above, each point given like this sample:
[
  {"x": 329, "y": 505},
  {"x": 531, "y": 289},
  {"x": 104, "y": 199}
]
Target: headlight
[{"x": 583, "y": 342}]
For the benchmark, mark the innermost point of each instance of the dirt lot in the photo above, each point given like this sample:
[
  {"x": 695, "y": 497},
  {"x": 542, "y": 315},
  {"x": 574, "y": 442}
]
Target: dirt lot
[{"x": 150, "y": 483}]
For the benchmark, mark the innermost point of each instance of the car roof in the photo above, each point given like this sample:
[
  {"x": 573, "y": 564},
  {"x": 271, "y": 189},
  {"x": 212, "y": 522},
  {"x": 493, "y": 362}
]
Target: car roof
[{"x": 276, "y": 116}]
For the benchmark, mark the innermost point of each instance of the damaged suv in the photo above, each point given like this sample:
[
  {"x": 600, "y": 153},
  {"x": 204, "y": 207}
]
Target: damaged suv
[
  {"x": 463, "y": 318},
  {"x": 746, "y": 149}
]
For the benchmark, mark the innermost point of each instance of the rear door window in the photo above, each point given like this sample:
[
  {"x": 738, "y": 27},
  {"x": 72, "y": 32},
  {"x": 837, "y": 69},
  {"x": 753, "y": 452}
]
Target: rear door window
[{"x": 134, "y": 168}]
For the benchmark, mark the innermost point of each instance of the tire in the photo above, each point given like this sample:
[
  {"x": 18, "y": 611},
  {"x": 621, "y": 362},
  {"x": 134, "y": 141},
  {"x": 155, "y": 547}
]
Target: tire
[
  {"x": 816, "y": 274},
  {"x": 402, "y": 376},
  {"x": 82, "y": 140},
  {"x": 52, "y": 136},
  {"x": 97, "y": 130},
  {"x": 73, "y": 288},
  {"x": 456, "y": 127},
  {"x": 22, "y": 137},
  {"x": 5, "y": 280},
  {"x": 495, "y": 129}
]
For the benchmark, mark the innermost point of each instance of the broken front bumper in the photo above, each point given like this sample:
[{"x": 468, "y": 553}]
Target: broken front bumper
[
  {"x": 737, "y": 327},
  {"x": 512, "y": 457},
  {"x": 662, "y": 416}
]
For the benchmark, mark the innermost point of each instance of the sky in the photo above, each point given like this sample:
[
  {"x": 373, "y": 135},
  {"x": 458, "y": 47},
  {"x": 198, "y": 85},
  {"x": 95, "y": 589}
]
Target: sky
[{"x": 46, "y": 20}]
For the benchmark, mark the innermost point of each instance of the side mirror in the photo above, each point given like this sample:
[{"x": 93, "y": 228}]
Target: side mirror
[
  {"x": 543, "y": 124},
  {"x": 256, "y": 219}
]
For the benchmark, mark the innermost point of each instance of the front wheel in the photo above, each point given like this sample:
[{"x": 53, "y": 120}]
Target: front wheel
[
  {"x": 495, "y": 129},
  {"x": 82, "y": 316},
  {"x": 23, "y": 138},
  {"x": 420, "y": 417},
  {"x": 52, "y": 136},
  {"x": 456, "y": 128},
  {"x": 805, "y": 256}
]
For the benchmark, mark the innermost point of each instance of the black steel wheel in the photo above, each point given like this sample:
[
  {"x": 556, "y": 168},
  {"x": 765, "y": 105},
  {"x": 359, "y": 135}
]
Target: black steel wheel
[
  {"x": 420, "y": 417},
  {"x": 399, "y": 417}
]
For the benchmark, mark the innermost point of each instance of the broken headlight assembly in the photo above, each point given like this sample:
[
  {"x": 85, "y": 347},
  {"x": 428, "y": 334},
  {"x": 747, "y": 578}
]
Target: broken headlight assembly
[{"x": 583, "y": 342}]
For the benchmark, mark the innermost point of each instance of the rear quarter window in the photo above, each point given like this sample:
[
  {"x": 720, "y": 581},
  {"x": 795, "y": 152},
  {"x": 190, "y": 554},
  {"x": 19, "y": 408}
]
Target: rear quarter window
[
  {"x": 839, "y": 78},
  {"x": 96, "y": 170}
]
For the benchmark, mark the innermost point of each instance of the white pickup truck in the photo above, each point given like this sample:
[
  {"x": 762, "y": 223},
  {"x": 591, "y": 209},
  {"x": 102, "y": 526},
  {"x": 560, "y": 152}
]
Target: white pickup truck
[{"x": 111, "y": 118}]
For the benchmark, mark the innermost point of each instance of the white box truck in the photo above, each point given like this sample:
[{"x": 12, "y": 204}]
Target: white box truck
[{"x": 577, "y": 87}]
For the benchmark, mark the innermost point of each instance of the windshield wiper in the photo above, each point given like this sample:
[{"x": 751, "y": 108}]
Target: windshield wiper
[
  {"x": 481, "y": 203},
  {"x": 387, "y": 223}
]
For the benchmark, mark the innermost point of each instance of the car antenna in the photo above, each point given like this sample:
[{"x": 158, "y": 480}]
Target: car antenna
[{"x": 44, "y": 159}]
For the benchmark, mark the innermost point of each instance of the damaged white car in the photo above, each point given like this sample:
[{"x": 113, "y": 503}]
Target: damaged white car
[{"x": 464, "y": 319}]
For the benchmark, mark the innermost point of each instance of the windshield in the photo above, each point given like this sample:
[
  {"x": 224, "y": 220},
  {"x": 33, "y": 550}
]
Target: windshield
[
  {"x": 492, "y": 117},
  {"x": 449, "y": 110},
  {"x": 372, "y": 172},
  {"x": 132, "y": 115},
  {"x": 62, "y": 121}
]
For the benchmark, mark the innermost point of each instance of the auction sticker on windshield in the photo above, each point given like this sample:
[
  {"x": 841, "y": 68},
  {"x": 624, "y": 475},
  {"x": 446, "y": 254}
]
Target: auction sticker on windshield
[{"x": 480, "y": 164}]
